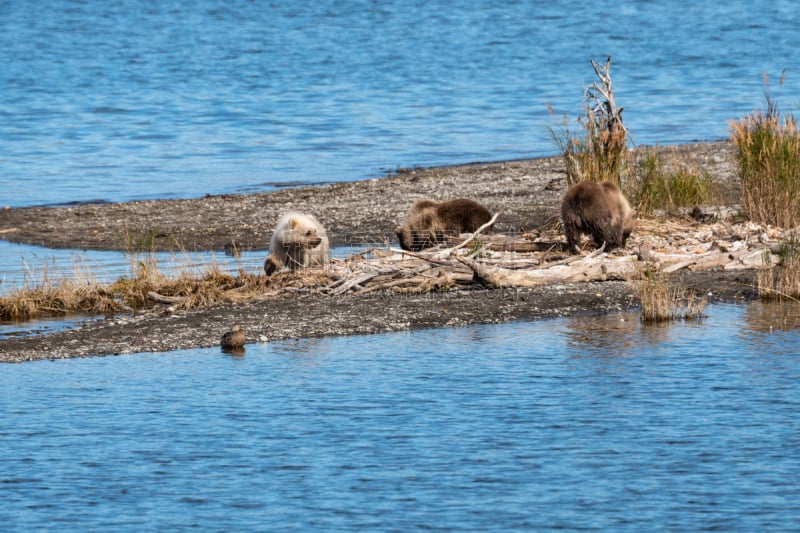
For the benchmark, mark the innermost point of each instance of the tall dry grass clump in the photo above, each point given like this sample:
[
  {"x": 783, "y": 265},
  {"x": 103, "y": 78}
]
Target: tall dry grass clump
[
  {"x": 145, "y": 277},
  {"x": 768, "y": 152},
  {"x": 51, "y": 293},
  {"x": 46, "y": 292},
  {"x": 599, "y": 153},
  {"x": 665, "y": 182},
  {"x": 663, "y": 300},
  {"x": 781, "y": 283}
]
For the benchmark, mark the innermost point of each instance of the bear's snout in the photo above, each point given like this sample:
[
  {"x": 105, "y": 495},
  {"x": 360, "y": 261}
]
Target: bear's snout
[{"x": 315, "y": 242}]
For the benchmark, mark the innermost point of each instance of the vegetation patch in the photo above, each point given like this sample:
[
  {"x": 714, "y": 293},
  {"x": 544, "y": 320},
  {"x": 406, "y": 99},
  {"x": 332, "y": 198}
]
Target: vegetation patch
[
  {"x": 599, "y": 152},
  {"x": 664, "y": 300},
  {"x": 782, "y": 282},
  {"x": 768, "y": 153},
  {"x": 51, "y": 293},
  {"x": 662, "y": 182}
]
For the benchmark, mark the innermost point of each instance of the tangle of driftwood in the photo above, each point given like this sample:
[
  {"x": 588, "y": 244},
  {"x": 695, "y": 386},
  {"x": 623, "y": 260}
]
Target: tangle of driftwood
[{"x": 534, "y": 259}]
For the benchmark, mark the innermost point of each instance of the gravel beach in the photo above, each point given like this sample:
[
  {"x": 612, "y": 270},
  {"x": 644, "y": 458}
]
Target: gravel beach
[{"x": 527, "y": 193}]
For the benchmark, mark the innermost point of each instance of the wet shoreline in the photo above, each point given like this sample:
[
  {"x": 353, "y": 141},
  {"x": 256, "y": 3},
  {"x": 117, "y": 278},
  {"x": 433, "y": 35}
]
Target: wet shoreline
[
  {"x": 299, "y": 316},
  {"x": 527, "y": 193}
]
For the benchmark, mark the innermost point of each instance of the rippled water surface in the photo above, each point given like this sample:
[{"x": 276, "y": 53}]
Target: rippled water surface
[
  {"x": 127, "y": 100},
  {"x": 595, "y": 423},
  {"x": 577, "y": 423}
]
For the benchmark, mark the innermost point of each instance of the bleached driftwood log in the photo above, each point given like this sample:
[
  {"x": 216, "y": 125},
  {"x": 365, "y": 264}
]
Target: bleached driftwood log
[
  {"x": 161, "y": 299},
  {"x": 589, "y": 268},
  {"x": 535, "y": 260}
]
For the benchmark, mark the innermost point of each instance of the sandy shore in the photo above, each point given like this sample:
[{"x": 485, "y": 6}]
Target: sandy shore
[{"x": 527, "y": 193}]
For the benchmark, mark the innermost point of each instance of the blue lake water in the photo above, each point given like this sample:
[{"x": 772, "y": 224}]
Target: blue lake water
[
  {"x": 574, "y": 423},
  {"x": 131, "y": 100},
  {"x": 23, "y": 265}
]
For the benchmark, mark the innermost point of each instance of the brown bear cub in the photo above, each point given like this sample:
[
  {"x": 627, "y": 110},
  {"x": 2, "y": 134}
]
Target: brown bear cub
[
  {"x": 597, "y": 209},
  {"x": 429, "y": 222},
  {"x": 299, "y": 241}
]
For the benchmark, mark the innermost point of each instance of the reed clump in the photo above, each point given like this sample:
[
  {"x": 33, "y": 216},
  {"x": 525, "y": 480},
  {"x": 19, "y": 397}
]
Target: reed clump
[
  {"x": 781, "y": 283},
  {"x": 49, "y": 293},
  {"x": 665, "y": 182},
  {"x": 664, "y": 300},
  {"x": 768, "y": 152},
  {"x": 599, "y": 152}
]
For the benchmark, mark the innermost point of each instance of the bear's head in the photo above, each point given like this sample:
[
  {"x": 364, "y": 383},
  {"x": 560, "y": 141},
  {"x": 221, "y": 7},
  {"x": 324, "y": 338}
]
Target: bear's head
[
  {"x": 301, "y": 234},
  {"x": 422, "y": 229}
]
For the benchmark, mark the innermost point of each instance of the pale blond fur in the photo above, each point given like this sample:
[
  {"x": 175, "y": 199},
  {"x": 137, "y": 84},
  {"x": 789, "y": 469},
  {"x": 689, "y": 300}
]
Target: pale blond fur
[{"x": 299, "y": 241}]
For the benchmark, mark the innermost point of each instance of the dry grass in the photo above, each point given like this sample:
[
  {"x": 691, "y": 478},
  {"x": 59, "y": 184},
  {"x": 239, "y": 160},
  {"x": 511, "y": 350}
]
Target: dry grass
[
  {"x": 598, "y": 152},
  {"x": 781, "y": 283},
  {"x": 768, "y": 151},
  {"x": 48, "y": 292},
  {"x": 597, "y": 155},
  {"x": 665, "y": 182},
  {"x": 663, "y": 300}
]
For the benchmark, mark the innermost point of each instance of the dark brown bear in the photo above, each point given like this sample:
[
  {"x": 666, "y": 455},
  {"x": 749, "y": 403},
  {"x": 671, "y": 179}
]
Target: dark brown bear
[
  {"x": 597, "y": 209},
  {"x": 429, "y": 222}
]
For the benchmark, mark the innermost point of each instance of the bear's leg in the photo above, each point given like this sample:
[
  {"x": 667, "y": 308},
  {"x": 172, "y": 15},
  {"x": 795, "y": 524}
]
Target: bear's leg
[
  {"x": 573, "y": 234},
  {"x": 272, "y": 264},
  {"x": 296, "y": 258}
]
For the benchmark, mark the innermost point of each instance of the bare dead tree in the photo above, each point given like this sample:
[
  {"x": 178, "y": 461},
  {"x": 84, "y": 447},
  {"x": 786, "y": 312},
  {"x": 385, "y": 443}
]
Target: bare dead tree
[
  {"x": 599, "y": 154},
  {"x": 600, "y": 100}
]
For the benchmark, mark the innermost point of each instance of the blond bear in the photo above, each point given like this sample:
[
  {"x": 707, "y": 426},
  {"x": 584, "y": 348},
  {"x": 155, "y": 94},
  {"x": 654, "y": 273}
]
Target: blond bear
[
  {"x": 299, "y": 241},
  {"x": 597, "y": 209},
  {"x": 429, "y": 222}
]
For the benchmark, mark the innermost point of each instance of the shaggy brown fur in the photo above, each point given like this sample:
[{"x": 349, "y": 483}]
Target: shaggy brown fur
[
  {"x": 600, "y": 210},
  {"x": 429, "y": 222}
]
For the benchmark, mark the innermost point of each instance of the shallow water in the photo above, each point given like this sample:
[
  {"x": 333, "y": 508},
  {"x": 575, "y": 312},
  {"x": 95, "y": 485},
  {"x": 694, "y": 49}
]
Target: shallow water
[
  {"x": 591, "y": 422},
  {"x": 23, "y": 265},
  {"x": 573, "y": 423},
  {"x": 136, "y": 100}
]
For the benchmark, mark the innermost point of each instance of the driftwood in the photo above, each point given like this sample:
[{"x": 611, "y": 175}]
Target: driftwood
[
  {"x": 588, "y": 268},
  {"x": 604, "y": 104},
  {"x": 506, "y": 244},
  {"x": 538, "y": 258},
  {"x": 476, "y": 233},
  {"x": 161, "y": 299}
]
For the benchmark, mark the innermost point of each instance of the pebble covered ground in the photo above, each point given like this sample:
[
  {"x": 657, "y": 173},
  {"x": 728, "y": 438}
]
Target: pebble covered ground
[{"x": 527, "y": 193}]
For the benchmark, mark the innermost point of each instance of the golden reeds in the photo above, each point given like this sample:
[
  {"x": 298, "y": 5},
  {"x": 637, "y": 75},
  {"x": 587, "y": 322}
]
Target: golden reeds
[
  {"x": 600, "y": 152},
  {"x": 49, "y": 293},
  {"x": 768, "y": 152},
  {"x": 781, "y": 283},
  {"x": 664, "y": 300}
]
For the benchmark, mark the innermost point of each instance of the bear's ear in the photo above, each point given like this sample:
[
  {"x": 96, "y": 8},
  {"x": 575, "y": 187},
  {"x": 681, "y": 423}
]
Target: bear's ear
[{"x": 292, "y": 223}]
